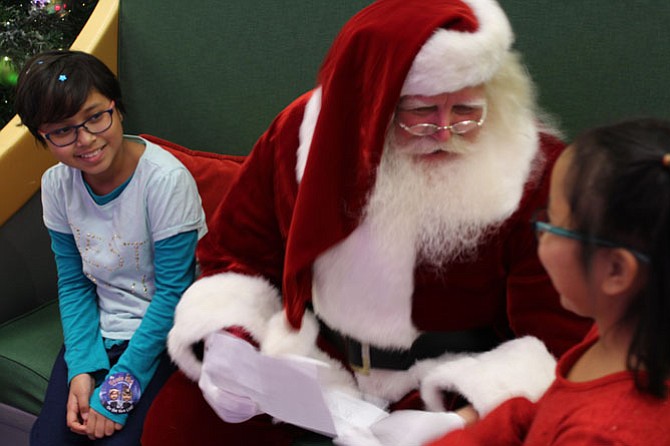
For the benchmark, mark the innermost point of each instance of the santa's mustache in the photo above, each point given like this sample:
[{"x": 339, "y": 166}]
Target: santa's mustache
[{"x": 426, "y": 145}]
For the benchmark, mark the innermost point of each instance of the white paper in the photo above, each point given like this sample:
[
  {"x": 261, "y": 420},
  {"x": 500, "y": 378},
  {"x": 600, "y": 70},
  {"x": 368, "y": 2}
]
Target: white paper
[
  {"x": 347, "y": 411},
  {"x": 288, "y": 388}
]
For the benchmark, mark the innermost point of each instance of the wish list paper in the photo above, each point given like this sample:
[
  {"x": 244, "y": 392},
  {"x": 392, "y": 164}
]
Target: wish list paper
[{"x": 289, "y": 388}]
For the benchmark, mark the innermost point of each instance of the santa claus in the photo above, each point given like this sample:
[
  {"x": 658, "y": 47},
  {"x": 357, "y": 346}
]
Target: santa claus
[{"x": 382, "y": 223}]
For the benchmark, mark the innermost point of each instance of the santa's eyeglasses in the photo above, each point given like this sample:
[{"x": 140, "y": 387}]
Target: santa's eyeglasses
[{"x": 458, "y": 128}]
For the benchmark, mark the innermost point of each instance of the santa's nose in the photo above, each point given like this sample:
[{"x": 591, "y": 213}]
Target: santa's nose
[{"x": 444, "y": 133}]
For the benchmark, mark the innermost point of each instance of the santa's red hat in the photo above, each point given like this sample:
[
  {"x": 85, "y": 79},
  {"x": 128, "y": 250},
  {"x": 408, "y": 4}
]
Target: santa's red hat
[{"x": 389, "y": 49}]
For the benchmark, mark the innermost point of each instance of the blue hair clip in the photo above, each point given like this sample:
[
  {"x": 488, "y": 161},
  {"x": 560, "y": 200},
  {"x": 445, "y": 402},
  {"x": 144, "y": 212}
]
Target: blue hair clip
[{"x": 62, "y": 78}]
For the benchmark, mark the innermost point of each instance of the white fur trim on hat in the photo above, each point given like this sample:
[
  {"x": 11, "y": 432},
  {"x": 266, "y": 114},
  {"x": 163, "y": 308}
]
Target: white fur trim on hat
[
  {"x": 452, "y": 60},
  {"x": 216, "y": 302},
  {"x": 521, "y": 367}
]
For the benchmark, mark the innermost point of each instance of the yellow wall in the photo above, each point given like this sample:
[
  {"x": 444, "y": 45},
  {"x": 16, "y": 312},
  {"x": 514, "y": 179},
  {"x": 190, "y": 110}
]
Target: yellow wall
[{"x": 22, "y": 159}]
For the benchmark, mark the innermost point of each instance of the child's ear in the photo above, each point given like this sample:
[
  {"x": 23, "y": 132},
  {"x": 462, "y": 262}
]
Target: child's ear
[{"x": 622, "y": 272}]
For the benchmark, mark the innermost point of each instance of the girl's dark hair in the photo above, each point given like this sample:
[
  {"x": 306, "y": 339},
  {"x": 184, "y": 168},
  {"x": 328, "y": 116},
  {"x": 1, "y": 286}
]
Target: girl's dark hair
[
  {"x": 54, "y": 85},
  {"x": 618, "y": 188}
]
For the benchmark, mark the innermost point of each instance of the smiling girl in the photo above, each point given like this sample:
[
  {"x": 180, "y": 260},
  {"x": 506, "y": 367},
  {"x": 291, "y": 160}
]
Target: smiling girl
[{"x": 124, "y": 218}]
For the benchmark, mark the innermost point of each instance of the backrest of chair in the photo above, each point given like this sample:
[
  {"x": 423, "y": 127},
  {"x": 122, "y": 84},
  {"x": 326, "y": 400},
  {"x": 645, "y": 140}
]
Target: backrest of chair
[
  {"x": 595, "y": 61},
  {"x": 211, "y": 75},
  {"x": 27, "y": 265}
]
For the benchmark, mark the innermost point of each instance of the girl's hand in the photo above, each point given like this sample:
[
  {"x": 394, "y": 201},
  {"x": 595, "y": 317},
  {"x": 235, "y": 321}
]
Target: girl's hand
[
  {"x": 469, "y": 414},
  {"x": 77, "y": 413},
  {"x": 99, "y": 426}
]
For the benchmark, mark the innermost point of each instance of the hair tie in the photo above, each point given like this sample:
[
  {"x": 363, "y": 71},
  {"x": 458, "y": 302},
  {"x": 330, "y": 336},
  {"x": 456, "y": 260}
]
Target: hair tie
[{"x": 666, "y": 160}]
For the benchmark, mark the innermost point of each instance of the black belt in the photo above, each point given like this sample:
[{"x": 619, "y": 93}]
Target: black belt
[{"x": 362, "y": 356}]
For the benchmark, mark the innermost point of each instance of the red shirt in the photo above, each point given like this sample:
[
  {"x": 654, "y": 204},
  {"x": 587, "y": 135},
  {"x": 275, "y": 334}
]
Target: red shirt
[{"x": 604, "y": 411}]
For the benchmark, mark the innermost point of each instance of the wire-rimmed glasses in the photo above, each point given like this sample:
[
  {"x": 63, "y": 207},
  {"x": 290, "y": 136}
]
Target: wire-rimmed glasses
[{"x": 458, "y": 128}]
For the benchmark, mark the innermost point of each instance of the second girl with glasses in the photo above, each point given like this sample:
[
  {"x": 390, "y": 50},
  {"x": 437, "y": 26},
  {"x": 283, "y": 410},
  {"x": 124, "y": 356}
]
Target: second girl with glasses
[
  {"x": 124, "y": 218},
  {"x": 606, "y": 247}
]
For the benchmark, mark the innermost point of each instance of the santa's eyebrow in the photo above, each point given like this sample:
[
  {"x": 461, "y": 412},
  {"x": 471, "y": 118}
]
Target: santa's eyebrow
[
  {"x": 412, "y": 103},
  {"x": 474, "y": 103}
]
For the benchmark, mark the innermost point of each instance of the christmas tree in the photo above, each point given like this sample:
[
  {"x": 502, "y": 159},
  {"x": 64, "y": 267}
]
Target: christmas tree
[{"x": 28, "y": 27}]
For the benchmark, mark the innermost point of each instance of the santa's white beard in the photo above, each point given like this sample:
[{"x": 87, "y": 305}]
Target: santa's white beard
[
  {"x": 431, "y": 211},
  {"x": 445, "y": 208},
  {"x": 428, "y": 212}
]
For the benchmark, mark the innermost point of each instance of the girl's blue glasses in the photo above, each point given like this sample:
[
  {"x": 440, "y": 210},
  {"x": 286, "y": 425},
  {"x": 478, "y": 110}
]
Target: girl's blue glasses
[{"x": 541, "y": 225}]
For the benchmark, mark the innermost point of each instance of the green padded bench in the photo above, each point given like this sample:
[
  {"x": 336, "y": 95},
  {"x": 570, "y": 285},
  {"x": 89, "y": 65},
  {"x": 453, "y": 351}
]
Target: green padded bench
[
  {"x": 211, "y": 75},
  {"x": 36, "y": 331}
]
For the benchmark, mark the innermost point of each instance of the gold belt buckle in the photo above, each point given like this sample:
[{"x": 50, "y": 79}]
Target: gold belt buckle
[{"x": 365, "y": 359}]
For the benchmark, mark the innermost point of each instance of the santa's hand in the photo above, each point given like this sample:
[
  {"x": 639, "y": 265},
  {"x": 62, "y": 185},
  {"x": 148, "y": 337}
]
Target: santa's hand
[
  {"x": 219, "y": 387},
  {"x": 415, "y": 427},
  {"x": 229, "y": 406}
]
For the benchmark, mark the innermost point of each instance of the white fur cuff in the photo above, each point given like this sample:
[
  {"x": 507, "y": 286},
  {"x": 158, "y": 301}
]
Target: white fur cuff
[
  {"x": 216, "y": 302},
  {"x": 521, "y": 367},
  {"x": 282, "y": 339}
]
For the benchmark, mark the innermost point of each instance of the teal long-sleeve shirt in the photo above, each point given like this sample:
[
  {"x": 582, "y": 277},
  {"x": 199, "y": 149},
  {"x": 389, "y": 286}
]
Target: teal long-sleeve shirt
[{"x": 85, "y": 352}]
